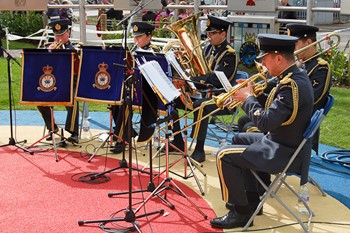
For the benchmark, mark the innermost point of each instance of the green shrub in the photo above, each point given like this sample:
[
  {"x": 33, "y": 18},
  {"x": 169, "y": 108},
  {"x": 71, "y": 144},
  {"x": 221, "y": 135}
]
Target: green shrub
[
  {"x": 338, "y": 61},
  {"x": 21, "y": 23}
]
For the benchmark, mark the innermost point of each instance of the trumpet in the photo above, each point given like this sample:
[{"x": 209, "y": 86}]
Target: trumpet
[
  {"x": 222, "y": 100},
  {"x": 327, "y": 37},
  {"x": 54, "y": 45}
]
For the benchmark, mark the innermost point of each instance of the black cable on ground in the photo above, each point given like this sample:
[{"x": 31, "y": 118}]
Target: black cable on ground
[{"x": 341, "y": 157}]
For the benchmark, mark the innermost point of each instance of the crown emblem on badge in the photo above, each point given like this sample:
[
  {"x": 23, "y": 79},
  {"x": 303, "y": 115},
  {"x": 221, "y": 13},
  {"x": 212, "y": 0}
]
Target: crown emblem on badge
[
  {"x": 208, "y": 23},
  {"x": 102, "y": 77},
  {"x": 47, "y": 81},
  {"x": 250, "y": 37}
]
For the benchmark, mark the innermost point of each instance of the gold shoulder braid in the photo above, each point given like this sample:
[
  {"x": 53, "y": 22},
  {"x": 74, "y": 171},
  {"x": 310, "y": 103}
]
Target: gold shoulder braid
[
  {"x": 230, "y": 49},
  {"x": 155, "y": 48},
  {"x": 295, "y": 92}
]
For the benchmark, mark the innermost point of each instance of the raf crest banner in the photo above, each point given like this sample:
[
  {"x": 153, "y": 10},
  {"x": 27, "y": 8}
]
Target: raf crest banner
[
  {"x": 47, "y": 77},
  {"x": 100, "y": 80}
]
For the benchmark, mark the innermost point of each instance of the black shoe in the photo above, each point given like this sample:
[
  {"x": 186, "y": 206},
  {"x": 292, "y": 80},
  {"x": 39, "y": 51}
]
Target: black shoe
[
  {"x": 73, "y": 138},
  {"x": 252, "y": 207},
  {"x": 231, "y": 220},
  {"x": 118, "y": 148},
  {"x": 199, "y": 156},
  {"x": 49, "y": 138}
]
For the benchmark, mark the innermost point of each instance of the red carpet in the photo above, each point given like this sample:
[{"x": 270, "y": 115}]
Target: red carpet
[{"x": 39, "y": 194}]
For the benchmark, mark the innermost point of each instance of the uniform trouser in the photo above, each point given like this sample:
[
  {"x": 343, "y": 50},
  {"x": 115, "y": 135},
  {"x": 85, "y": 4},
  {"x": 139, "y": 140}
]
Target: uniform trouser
[
  {"x": 248, "y": 139},
  {"x": 203, "y": 124},
  {"x": 235, "y": 176},
  {"x": 121, "y": 122},
  {"x": 71, "y": 120}
]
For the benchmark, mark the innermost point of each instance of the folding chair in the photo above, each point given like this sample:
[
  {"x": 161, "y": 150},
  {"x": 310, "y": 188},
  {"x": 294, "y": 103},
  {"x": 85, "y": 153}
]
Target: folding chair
[
  {"x": 219, "y": 119},
  {"x": 326, "y": 109},
  {"x": 280, "y": 178}
]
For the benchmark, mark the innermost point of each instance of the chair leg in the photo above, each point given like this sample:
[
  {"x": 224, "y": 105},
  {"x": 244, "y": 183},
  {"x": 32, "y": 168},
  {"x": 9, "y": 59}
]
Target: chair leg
[{"x": 314, "y": 182}]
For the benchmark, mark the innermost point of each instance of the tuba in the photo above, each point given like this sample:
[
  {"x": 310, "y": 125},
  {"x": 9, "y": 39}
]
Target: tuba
[{"x": 190, "y": 55}]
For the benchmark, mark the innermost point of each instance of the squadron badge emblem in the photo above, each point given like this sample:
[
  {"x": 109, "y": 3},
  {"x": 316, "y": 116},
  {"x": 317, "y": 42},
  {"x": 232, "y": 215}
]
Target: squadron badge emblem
[
  {"x": 102, "y": 77},
  {"x": 47, "y": 81}
]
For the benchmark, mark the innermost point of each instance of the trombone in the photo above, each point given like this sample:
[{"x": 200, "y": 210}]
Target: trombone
[
  {"x": 327, "y": 37},
  {"x": 223, "y": 100}
]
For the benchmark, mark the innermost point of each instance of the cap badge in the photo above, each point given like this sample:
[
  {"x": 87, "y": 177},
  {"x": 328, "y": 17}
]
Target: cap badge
[
  {"x": 135, "y": 28},
  {"x": 288, "y": 32},
  {"x": 57, "y": 27},
  {"x": 208, "y": 23}
]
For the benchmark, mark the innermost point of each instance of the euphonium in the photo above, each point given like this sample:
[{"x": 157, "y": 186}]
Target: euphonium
[
  {"x": 191, "y": 54},
  {"x": 222, "y": 100}
]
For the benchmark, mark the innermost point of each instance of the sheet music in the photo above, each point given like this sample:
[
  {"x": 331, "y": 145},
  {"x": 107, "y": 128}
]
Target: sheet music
[
  {"x": 159, "y": 82},
  {"x": 170, "y": 56},
  {"x": 223, "y": 80}
]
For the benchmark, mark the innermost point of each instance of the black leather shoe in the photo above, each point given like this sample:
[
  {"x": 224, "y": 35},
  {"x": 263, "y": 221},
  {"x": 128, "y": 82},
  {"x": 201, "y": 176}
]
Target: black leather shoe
[
  {"x": 199, "y": 156},
  {"x": 252, "y": 207},
  {"x": 49, "y": 138},
  {"x": 73, "y": 138},
  {"x": 231, "y": 220},
  {"x": 118, "y": 148}
]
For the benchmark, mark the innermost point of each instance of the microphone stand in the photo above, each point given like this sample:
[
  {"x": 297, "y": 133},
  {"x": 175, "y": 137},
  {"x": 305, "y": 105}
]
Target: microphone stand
[
  {"x": 130, "y": 214},
  {"x": 12, "y": 141}
]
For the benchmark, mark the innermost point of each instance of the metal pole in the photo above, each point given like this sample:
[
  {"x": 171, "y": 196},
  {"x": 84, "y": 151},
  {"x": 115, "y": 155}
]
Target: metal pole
[
  {"x": 82, "y": 15},
  {"x": 309, "y": 13}
]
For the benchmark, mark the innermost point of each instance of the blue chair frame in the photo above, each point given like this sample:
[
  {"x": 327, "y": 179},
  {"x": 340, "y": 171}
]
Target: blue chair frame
[{"x": 280, "y": 178}]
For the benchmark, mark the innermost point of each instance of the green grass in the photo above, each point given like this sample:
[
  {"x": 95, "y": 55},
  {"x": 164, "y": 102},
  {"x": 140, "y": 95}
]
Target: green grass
[{"x": 335, "y": 129}]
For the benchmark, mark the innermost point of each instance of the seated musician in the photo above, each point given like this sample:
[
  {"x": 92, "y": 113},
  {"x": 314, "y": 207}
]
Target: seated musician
[
  {"x": 316, "y": 68},
  {"x": 285, "y": 117},
  {"x": 62, "y": 30},
  {"x": 142, "y": 33},
  {"x": 221, "y": 57}
]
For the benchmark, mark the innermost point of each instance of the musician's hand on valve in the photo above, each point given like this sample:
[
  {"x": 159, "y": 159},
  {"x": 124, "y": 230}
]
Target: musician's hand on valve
[
  {"x": 243, "y": 93},
  {"x": 299, "y": 62}
]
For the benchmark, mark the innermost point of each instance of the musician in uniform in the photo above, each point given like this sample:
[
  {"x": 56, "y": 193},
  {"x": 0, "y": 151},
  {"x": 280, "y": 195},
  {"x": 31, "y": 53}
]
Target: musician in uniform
[
  {"x": 284, "y": 116},
  {"x": 317, "y": 69},
  {"x": 221, "y": 57},
  {"x": 142, "y": 33},
  {"x": 62, "y": 31}
]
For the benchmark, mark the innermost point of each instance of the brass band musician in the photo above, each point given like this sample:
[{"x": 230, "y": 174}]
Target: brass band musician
[
  {"x": 142, "y": 33},
  {"x": 62, "y": 30},
  {"x": 285, "y": 116},
  {"x": 221, "y": 57},
  {"x": 317, "y": 69}
]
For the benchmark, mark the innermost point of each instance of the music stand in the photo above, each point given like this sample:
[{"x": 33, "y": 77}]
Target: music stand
[
  {"x": 12, "y": 141},
  {"x": 130, "y": 215},
  {"x": 166, "y": 92},
  {"x": 45, "y": 83}
]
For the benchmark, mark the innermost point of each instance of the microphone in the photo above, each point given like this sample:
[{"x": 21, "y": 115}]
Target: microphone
[{"x": 173, "y": 116}]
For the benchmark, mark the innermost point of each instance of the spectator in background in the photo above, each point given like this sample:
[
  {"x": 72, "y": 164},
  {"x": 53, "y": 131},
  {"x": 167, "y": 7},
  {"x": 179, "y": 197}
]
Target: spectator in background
[
  {"x": 182, "y": 13},
  {"x": 66, "y": 13},
  {"x": 51, "y": 13},
  {"x": 149, "y": 16},
  {"x": 285, "y": 15}
]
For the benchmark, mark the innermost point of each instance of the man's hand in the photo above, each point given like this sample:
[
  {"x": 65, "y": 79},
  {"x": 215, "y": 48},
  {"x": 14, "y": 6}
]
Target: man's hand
[{"x": 244, "y": 92}]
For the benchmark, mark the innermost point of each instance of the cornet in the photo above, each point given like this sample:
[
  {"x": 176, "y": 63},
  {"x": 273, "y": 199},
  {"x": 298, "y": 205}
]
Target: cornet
[{"x": 54, "y": 45}]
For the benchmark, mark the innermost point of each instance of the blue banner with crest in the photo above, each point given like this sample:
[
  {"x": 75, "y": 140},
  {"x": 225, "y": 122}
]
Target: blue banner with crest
[{"x": 47, "y": 77}]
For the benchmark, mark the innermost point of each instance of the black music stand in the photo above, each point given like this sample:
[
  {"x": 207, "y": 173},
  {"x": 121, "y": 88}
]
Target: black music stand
[
  {"x": 12, "y": 141},
  {"x": 129, "y": 214}
]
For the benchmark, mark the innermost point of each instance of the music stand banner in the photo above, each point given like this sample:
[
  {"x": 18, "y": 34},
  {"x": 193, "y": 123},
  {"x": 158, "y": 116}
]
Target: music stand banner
[
  {"x": 100, "y": 78},
  {"x": 47, "y": 77}
]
